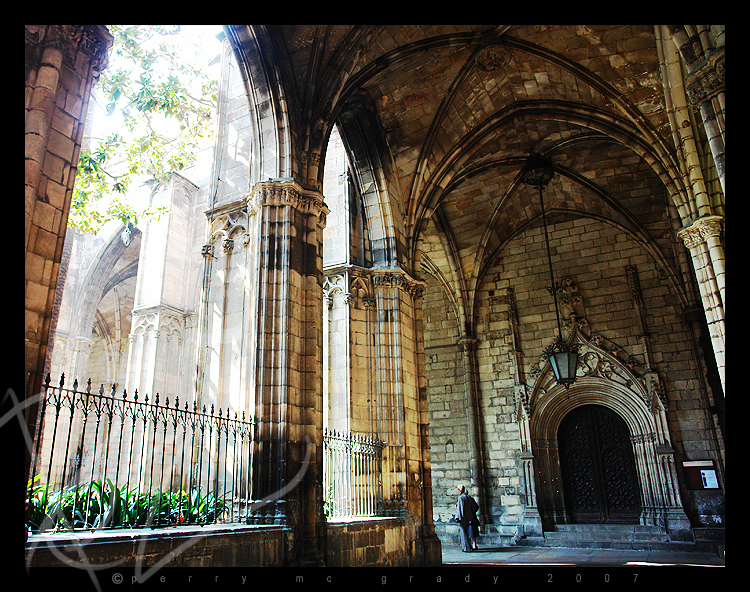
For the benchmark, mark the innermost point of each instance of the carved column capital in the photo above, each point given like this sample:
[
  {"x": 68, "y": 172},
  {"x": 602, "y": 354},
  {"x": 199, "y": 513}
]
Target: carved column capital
[
  {"x": 400, "y": 279},
  {"x": 701, "y": 230},
  {"x": 468, "y": 344},
  {"x": 93, "y": 40},
  {"x": 287, "y": 192},
  {"x": 706, "y": 82}
]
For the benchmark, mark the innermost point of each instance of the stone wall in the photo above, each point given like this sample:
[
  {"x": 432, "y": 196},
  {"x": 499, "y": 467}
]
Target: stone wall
[
  {"x": 598, "y": 256},
  {"x": 211, "y": 546},
  {"x": 381, "y": 542}
]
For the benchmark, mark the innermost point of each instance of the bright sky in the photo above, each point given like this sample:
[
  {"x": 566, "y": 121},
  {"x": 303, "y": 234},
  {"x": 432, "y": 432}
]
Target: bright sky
[{"x": 197, "y": 40}]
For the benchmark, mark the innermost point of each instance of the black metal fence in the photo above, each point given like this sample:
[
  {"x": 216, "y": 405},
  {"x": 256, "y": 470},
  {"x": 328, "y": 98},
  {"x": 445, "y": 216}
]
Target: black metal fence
[
  {"x": 352, "y": 472},
  {"x": 109, "y": 460}
]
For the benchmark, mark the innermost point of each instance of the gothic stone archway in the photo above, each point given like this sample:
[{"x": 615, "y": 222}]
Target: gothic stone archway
[{"x": 603, "y": 379}]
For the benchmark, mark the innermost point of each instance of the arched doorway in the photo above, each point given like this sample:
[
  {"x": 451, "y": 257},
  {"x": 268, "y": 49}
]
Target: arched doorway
[
  {"x": 635, "y": 406},
  {"x": 599, "y": 475}
]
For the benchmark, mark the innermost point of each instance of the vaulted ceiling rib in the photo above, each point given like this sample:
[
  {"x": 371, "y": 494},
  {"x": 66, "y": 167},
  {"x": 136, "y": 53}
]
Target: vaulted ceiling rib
[{"x": 461, "y": 106}]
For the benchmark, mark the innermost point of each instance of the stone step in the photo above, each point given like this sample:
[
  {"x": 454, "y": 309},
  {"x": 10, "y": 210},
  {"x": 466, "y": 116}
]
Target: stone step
[
  {"x": 492, "y": 535},
  {"x": 608, "y": 536},
  {"x": 710, "y": 539}
]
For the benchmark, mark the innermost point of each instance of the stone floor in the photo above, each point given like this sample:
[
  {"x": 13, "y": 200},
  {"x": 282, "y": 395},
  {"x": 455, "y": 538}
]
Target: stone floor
[
  {"x": 590, "y": 568},
  {"x": 568, "y": 557}
]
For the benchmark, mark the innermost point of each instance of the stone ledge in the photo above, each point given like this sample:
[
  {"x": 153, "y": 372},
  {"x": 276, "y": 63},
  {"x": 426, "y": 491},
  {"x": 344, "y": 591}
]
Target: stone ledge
[
  {"x": 129, "y": 534},
  {"x": 209, "y": 546}
]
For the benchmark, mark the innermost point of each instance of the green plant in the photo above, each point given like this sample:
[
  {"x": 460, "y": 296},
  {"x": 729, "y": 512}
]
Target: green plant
[
  {"x": 100, "y": 504},
  {"x": 36, "y": 505},
  {"x": 161, "y": 100},
  {"x": 328, "y": 501}
]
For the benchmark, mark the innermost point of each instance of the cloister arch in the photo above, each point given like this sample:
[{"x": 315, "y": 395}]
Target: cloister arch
[
  {"x": 437, "y": 120},
  {"x": 373, "y": 171},
  {"x": 271, "y": 143}
]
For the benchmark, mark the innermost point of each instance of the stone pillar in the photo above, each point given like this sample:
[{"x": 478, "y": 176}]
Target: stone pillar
[
  {"x": 392, "y": 384},
  {"x": 474, "y": 425},
  {"x": 337, "y": 320},
  {"x": 401, "y": 392},
  {"x": 63, "y": 63},
  {"x": 705, "y": 87},
  {"x": 288, "y": 406},
  {"x": 702, "y": 239},
  {"x": 430, "y": 554},
  {"x": 159, "y": 313}
]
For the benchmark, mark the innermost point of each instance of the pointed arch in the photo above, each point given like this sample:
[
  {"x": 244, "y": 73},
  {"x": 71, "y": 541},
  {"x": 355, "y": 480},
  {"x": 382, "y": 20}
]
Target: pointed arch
[
  {"x": 373, "y": 170},
  {"x": 606, "y": 380},
  {"x": 270, "y": 137}
]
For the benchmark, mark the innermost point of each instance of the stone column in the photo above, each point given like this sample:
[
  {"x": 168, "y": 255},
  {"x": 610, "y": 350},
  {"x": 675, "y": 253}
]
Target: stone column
[
  {"x": 154, "y": 365},
  {"x": 430, "y": 544},
  {"x": 705, "y": 87},
  {"x": 391, "y": 384},
  {"x": 702, "y": 239},
  {"x": 337, "y": 319},
  {"x": 288, "y": 407},
  {"x": 62, "y": 63},
  {"x": 474, "y": 425}
]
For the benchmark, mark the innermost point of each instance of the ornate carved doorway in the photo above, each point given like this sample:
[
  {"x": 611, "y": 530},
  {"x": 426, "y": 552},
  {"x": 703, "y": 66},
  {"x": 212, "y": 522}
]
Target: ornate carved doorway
[{"x": 599, "y": 475}]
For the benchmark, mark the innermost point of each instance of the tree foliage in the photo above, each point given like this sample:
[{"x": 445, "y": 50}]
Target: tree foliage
[{"x": 164, "y": 104}]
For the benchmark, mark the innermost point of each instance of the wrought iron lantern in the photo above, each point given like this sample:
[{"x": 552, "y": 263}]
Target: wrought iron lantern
[
  {"x": 562, "y": 356},
  {"x": 564, "y": 366}
]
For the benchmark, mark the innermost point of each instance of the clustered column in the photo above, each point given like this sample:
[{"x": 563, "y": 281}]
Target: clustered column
[
  {"x": 288, "y": 460},
  {"x": 702, "y": 238}
]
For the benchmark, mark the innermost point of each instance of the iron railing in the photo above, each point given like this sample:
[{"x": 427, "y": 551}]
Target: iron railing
[
  {"x": 110, "y": 460},
  {"x": 352, "y": 470},
  {"x": 114, "y": 461}
]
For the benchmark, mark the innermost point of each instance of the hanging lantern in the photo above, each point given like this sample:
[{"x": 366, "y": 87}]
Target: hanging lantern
[
  {"x": 563, "y": 357},
  {"x": 564, "y": 366}
]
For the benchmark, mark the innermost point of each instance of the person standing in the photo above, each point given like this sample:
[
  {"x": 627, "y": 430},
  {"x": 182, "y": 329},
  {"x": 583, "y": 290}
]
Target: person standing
[{"x": 466, "y": 516}]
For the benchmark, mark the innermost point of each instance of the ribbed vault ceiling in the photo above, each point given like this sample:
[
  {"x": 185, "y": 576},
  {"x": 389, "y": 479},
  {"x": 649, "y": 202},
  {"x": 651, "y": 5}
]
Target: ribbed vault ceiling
[{"x": 460, "y": 108}]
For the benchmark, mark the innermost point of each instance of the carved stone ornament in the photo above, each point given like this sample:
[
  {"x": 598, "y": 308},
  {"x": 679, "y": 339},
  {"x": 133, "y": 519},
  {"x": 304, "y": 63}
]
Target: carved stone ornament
[
  {"x": 707, "y": 81},
  {"x": 226, "y": 226},
  {"x": 493, "y": 57},
  {"x": 93, "y": 40},
  {"x": 595, "y": 361},
  {"x": 287, "y": 192},
  {"x": 332, "y": 285},
  {"x": 398, "y": 278},
  {"x": 570, "y": 298},
  {"x": 700, "y": 230}
]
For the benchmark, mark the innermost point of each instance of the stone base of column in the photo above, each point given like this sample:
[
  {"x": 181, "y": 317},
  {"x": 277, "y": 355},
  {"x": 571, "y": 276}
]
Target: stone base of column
[
  {"x": 532, "y": 522},
  {"x": 428, "y": 551}
]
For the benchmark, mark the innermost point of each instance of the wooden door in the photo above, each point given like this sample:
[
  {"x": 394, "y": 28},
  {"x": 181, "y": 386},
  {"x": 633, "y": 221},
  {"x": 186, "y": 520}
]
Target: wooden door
[{"x": 599, "y": 477}]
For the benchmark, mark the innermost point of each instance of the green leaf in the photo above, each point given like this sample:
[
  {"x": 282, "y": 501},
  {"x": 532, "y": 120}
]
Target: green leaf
[{"x": 149, "y": 85}]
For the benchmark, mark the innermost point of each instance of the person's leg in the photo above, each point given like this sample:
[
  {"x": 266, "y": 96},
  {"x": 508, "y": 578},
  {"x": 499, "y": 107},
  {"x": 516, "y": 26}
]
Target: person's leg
[{"x": 464, "y": 534}]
